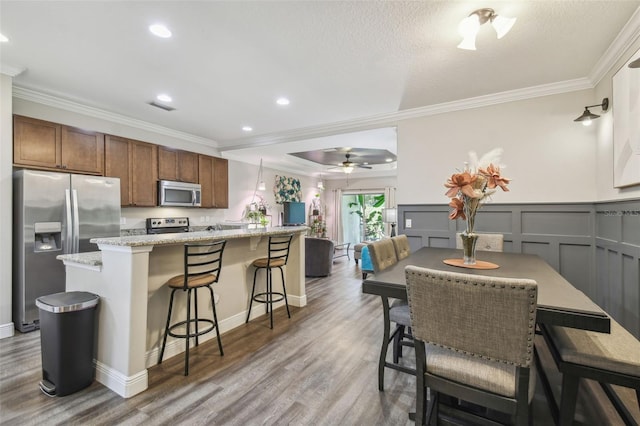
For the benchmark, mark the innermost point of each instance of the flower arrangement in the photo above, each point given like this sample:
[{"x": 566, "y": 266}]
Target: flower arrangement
[{"x": 471, "y": 188}]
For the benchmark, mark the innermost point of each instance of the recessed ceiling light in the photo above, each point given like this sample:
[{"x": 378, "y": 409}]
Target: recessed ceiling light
[
  {"x": 247, "y": 128},
  {"x": 388, "y": 160},
  {"x": 164, "y": 98},
  {"x": 160, "y": 30},
  {"x": 3, "y": 38},
  {"x": 283, "y": 101}
]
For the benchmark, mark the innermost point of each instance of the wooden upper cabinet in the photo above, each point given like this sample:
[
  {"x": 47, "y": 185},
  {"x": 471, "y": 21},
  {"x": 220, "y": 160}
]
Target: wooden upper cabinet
[
  {"x": 220, "y": 182},
  {"x": 82, "y": 150},
  {"x": 144, "y": 172},
  {"x": 205, "y": 177},
  {"x": 47, "y": 145},
  {"x": 135, "y": 163},
  {"x": 214, "y": 180},
  {"x": 36, "y": 142},
  {"x": 117, "y": 163},
  {"x": 177, "y": 165}
]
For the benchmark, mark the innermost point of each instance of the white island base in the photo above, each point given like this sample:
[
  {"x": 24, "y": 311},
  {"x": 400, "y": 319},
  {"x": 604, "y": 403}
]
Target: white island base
[{"x": 129, "y": 275}]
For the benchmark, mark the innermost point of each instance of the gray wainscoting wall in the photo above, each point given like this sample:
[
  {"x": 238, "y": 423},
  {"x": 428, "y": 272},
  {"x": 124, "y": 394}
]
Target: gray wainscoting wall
[{"x": 595, "y": 246}]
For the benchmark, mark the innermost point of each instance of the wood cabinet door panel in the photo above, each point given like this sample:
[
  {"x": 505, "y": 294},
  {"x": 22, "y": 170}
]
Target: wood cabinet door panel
[
  {"x": 221, "y": 182},
  {"x": 36, "y": 142},
  {"x": 187, "y": 166},
  {"x": 167, "y": 164},
  {"x": 205, "y": 178},
  {"x": 82, "y": 150},
  {"x": 144, "y": 172},
  {"x": 117, "y": 163}
]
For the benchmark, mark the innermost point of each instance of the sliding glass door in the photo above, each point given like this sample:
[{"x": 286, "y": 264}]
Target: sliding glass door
[{"x": 362, "y": 216}]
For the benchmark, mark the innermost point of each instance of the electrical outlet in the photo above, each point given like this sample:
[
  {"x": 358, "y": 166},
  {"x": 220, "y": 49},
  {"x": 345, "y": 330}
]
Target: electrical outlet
[{"x": 407, "y": 223}]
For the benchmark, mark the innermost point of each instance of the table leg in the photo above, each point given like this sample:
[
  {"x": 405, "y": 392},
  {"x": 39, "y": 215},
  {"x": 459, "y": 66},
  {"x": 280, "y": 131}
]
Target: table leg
[{"x": 385, "y": 343}]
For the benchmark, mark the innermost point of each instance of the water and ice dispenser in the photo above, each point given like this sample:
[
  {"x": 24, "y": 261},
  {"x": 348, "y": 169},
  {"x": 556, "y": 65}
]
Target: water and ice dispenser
[{"x": 47, "y": 236}]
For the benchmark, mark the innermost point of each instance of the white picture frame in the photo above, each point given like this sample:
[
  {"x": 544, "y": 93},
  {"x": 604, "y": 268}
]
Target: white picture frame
[{"x": 626, "y": 125}]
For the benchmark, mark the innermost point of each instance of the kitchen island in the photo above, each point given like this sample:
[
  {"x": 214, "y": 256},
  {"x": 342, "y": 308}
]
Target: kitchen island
[{"x": 128, "y": 273}]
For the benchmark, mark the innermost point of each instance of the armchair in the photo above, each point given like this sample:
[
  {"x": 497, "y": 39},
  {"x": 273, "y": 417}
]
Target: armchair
[{"x": 318, "y": 258}]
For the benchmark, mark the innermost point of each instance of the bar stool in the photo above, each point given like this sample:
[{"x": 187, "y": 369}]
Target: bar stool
[
  {"x": 202, "y": 264},
  {"x": 278, "y": 254}
]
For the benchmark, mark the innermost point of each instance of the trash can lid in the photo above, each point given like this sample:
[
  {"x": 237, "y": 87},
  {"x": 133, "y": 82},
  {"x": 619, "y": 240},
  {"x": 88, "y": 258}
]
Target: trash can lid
[{"x": 67, "y": 301}]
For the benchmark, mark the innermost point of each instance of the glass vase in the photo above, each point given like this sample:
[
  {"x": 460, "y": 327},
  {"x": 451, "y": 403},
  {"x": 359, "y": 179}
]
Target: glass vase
[{"x": 469, "y": 248}]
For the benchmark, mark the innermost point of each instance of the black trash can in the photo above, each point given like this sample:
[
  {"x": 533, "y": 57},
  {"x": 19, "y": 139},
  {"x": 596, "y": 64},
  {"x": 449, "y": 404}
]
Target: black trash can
[{"x": 67, "y": 336}]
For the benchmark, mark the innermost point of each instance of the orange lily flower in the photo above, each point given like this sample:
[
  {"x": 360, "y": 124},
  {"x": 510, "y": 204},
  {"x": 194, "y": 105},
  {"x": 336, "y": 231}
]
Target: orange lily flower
[
  {"x": 458, "y": 209},
  {"x": 494, "y": 179},
  {"x": 461, "y": 182}
]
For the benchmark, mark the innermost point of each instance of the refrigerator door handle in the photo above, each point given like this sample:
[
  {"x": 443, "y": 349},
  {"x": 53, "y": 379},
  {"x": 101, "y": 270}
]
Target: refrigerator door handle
[
  {"x": 76, "y": 222},
  {"x": 69, "y": 223}
]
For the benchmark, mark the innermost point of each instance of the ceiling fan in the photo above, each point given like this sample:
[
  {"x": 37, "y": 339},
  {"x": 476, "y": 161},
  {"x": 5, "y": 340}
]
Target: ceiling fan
[{"x": 347, "y": 166}]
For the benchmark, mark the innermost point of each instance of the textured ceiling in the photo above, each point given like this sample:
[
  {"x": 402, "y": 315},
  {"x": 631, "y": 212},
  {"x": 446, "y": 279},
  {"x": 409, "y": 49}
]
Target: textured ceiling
[{"x": 338, "y": 61}]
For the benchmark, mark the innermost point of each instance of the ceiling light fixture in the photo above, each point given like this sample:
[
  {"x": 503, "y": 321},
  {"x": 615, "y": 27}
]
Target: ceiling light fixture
[
  {"x": 3, "y": 38},
  {"x": 160, "y": 30},
  {"x": 587, "y": 115},
  {"x": 164, "y": 98},
  {"x": 283, "y": 101},
  {"x": 347, "y": 169},
  {"x": 247, "y": 128},
  {"x": 469, "y": 26}
]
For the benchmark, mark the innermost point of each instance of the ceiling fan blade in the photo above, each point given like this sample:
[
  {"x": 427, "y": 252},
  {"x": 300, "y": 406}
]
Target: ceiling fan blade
[{"x": 363, "y": 167}]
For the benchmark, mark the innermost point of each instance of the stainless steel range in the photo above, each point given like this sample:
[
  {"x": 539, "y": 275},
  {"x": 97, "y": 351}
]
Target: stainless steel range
[{"x": 167, "y": 225}]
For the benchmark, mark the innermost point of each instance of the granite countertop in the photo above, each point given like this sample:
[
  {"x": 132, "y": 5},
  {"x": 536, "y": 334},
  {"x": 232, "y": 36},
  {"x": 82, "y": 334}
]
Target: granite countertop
[
  {"x": 90, "y": 258},
  {"x": 194, "y": 237}
]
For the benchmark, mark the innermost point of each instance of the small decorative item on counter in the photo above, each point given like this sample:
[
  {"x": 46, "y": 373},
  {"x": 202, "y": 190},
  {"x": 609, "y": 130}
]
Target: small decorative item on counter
[{"x": 470, "y": 189}]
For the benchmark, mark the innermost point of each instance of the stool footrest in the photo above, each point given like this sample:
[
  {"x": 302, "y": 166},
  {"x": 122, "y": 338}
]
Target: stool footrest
[
  {"x": 194, "y": 323},
  {"x": 279, "y": 295}
]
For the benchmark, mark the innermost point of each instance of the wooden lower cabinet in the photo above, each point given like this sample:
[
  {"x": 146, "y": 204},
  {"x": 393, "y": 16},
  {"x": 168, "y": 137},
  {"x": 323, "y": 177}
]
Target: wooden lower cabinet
[
  {"x": 213, "y": 177},
  {"x": 136, "y": 164}
]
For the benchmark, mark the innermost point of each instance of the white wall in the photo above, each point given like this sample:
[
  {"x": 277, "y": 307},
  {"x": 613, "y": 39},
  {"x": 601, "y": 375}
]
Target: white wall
[
  {"x": 548, "y": 156},
  {"x": 6, "y": 185}
]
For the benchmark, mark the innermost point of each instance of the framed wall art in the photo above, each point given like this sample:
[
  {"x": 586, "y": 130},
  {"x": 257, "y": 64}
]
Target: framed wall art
[
  {"x": 287, "y": 189},
  {"x": 626, "y": 124}
]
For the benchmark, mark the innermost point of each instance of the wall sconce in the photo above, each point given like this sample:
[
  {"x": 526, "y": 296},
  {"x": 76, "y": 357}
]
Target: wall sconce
[
  {"x": 391, "y": 217},
  {"x": 469, "y": 26},
  {"x": 587, "y": 115}
]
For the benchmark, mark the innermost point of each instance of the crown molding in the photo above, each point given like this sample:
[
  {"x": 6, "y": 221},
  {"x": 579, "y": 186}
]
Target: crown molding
[
  {"x": 392, "y": 119},
  {"x": 56, "y": 102},
  {"x": 625, "y": 39},
  {"x": 11, "y": 71}
]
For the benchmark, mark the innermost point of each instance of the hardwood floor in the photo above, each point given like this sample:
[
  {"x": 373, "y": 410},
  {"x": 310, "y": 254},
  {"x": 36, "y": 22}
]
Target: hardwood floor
[{"x": 317, "y": 368}]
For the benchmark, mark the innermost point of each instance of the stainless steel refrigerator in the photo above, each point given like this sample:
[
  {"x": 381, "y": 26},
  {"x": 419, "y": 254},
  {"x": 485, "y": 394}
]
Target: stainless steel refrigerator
[{"x": 53, "y": 214}]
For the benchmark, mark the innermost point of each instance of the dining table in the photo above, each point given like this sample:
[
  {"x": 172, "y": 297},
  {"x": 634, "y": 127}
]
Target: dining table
[{"x": 559, "y": 302}]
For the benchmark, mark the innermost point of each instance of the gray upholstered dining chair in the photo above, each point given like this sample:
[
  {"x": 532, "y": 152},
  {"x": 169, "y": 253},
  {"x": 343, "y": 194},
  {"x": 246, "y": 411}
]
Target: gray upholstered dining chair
[
  {"x": 383, "y": 256},
  {"x": 486, "y": 242},
  {"x": 401, "y": 245},
  {"x": 474, "y": 340}
]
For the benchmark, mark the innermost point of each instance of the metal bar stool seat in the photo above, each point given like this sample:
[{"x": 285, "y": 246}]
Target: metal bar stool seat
[
  {"x": 278, "y": 254},
  {"x": 202, "y": 265}
]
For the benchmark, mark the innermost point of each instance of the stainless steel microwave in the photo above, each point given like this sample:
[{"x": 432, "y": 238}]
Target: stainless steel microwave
[{"x": 179, "y": 194}]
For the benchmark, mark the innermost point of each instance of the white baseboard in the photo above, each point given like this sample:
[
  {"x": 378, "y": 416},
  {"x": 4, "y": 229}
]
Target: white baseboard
[
  {"x": 125, "y": 386},
  {"x": 6, "y": 330}
]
